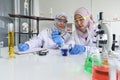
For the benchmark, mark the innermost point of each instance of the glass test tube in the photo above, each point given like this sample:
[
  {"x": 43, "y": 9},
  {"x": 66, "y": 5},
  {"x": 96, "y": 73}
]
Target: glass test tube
[{"x": 11, "y": 40}]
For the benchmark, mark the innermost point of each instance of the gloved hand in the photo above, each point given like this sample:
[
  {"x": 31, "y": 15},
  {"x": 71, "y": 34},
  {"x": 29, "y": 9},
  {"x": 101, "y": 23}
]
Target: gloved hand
[
  {"x": 57, "y": 37},
  {"x": 77, "y": 49},
  {"x": 23, "y": 47},
  {"x": 56, "y": 32}
]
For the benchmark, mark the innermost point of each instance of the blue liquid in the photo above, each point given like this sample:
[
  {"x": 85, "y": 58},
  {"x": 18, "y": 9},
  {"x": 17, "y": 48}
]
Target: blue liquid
[{"x": 64, "y": 52}]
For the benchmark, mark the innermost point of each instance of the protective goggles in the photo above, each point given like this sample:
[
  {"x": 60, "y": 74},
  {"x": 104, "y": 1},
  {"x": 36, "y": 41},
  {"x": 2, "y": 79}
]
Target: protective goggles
[
  {"x": 81, "y": 18},
  {"x": 61, "y": 20}
]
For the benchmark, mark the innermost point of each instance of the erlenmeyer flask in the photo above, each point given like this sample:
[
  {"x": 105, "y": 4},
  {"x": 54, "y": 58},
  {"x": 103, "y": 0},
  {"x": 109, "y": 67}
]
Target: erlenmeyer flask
[
  {"x": 99, "y": 71},
  {"x": 88, "y": 64}
]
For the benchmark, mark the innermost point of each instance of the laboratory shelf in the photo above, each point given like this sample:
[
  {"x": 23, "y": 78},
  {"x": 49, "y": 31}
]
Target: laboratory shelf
[
  {"x": 30, "y": 33},
  {"x": 30, "y": 17}
]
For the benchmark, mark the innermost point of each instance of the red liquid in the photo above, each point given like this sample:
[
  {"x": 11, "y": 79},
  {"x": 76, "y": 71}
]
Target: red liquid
[{"x": 100, "y": 73}]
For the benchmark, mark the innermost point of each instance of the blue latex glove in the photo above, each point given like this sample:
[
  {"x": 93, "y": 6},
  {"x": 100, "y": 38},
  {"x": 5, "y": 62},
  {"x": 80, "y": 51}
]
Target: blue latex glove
[
  {"x": 77, "y": 49},
  {"x": 56, "y": 32},
  {"x": 57, "y": 37},
  {"x": 23, "y": 47}
]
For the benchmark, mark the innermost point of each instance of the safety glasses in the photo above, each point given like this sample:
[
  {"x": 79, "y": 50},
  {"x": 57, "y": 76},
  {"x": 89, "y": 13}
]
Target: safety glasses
[
  {"x": 81, "y": 18},
  {"x": 61, "y": 20}
]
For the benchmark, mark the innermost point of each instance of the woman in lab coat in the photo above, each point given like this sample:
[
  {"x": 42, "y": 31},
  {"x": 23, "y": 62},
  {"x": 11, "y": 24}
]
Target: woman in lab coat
[
  {"x": 85, "y": 32},
  {"x": 52, "y": 37}
]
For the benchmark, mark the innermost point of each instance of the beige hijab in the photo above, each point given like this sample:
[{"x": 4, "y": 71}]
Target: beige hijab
[{"x": 85, "y": 12}]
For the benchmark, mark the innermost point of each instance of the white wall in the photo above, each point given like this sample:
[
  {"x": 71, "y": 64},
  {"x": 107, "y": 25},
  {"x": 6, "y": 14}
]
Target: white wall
[
  {"x": 36, "y": 8},
  {"x": 110, "y": 8},
  {"x": 67, "y": 6}
]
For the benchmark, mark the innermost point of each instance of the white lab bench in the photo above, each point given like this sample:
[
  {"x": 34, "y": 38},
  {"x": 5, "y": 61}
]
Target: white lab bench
[{"x": 53, "y": 66}]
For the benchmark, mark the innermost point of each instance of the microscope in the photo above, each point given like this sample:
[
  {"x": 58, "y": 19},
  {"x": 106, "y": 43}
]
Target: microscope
[
  {"x": 100, "y": 34},
  {"x": 114, "y": 46},
  {"x": 106, "y": 39}
]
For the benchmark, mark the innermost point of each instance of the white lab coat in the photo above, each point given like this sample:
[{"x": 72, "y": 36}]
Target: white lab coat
[
  {"x": 76, "y": 39},
  {"x": 44, "y": 39}
]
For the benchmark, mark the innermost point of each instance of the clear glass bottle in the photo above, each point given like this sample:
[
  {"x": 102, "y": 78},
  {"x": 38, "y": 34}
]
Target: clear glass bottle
[
  {"x": 112, "y": 61},
  {"x": 104, "y": 56},
  {"x": 1, "y": 45},
  {"x": 11, "y": 40}
]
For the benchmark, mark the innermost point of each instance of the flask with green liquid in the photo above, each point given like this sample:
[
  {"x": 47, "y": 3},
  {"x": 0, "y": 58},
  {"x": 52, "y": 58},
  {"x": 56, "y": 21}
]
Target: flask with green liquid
[{"x": 92, "y": 55}]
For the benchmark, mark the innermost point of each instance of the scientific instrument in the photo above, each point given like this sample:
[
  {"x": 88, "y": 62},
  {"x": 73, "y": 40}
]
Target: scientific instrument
[{"x": 11, "y": 40}]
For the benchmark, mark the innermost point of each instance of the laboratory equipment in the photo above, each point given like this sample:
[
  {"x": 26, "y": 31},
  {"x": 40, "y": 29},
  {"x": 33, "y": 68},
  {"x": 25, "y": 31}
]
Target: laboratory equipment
[
  {"x": 11, "y": 40},
  {"x": 104, "y": 67},
  {"x": 113, "y": 75},
  {"x": 114, "y": 63},
  {"x": 43, "y": 52},
  {"x": 100, "y": 34},
  {"x": 65, "y": 50},
  {"x": 108, "y": 34},
  {"x": 88, "y": 64},
  {"x": 99, "y": 71},
  {"x": 92, "y": 53},
  {"x": 104, "y": 56},
  {"x": 114, "y": 43},
  {"x": 111, "y": 28},
  {"x": 1, "y": 45},
  {"x": 118, "y": 68}
]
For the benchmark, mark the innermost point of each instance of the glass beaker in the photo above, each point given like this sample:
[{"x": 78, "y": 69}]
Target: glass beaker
[
  {"x": 118, "y": 69},
  {"x": 88, "y": 64},
  {"x": 65, "y": 50},
  {"x": 113, "y": 74},
  {"x": 88, "y": 61},
  {"x": 99, "y": 71},
  {"x": 102, "y": 71}
]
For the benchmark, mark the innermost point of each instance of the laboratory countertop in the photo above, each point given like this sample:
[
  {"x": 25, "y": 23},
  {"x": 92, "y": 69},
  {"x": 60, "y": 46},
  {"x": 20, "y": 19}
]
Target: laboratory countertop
[{"x": 53, "y": 66}]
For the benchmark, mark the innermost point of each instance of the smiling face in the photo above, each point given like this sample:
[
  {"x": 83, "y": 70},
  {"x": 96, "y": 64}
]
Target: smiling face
[
  {"x": 81, "y": 22},
  {"x": 61, "y": 22}
]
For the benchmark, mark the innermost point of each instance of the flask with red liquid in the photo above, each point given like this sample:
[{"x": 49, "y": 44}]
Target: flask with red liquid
[{"x": 101, "y": 71}]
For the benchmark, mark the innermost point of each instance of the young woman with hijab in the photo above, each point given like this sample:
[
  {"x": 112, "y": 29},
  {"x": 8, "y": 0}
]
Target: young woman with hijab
[
  {"x": 85, "y": 31},
  {"x": 52, "y": 37}
]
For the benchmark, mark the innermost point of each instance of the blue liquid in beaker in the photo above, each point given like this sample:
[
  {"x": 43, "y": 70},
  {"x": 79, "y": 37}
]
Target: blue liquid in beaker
[{"x": 64, "y": 52}]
